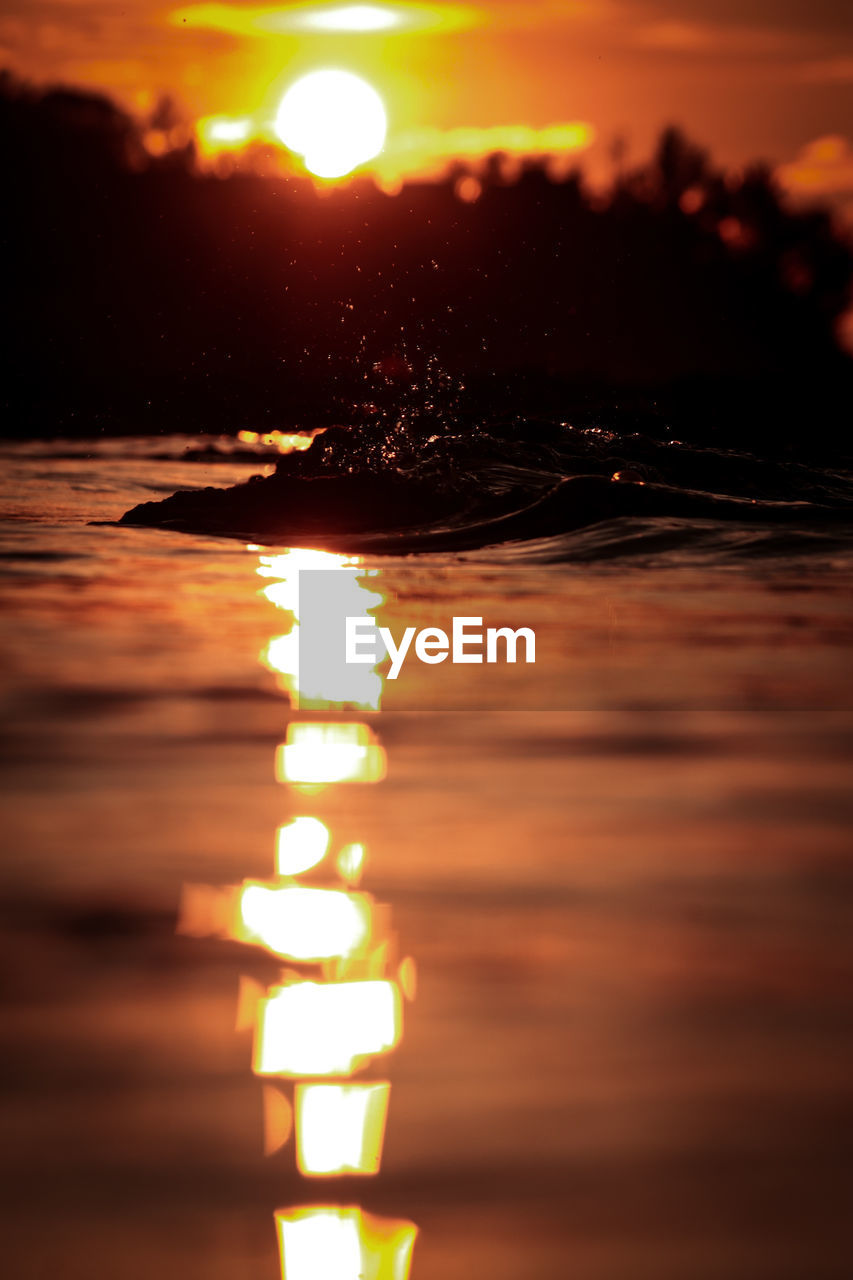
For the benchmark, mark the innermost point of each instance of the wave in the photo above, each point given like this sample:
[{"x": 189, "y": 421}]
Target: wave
[
  {"x": 542, "y": 490},
  {"x": 671, "y": 543}
]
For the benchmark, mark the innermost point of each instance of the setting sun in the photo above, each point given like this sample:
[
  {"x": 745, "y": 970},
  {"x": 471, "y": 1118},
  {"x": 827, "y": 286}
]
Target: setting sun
[{"x": 334, "y": 120}]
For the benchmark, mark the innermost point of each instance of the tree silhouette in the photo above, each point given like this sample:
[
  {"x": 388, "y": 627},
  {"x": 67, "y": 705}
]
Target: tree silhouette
[{"x": 148, "y": 294}]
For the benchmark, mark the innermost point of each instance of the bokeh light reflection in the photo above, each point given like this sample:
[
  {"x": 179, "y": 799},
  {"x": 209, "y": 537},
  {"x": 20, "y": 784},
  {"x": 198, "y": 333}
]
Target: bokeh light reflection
[
  {"x": 340, "y": 1128},
  {"x": 326, "y": 1029},
  {"x": 303, "y": 924},
  {"x": 317, "y": 754},
  {"x": 335, "y": 1243},
  {"x": 345, "y": 686},
  {"x": 300, "y": 845}
]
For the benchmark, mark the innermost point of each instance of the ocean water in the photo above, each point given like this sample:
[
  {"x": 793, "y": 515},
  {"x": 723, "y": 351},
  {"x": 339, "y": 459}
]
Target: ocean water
[{"x": 624, "y": 876}]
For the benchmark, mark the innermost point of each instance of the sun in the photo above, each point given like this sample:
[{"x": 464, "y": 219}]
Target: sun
[{"x": 334, "y": 120}]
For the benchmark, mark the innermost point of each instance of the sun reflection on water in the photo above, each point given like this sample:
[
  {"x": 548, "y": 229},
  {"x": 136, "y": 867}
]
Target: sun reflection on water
[
  {"x": 341, "y": 1127},
  {"x": 326, "y": 1029},
  {"x": 307, "y": 925},
  {"x": 334, "y": 1243},
  {"x": 317, "y": 754},
  {"x": 300, "y": 845},
  {"x": 281, "y": 441},
  {"x": 332, "y": 686},
  {"x": 339, "y": 1004}
]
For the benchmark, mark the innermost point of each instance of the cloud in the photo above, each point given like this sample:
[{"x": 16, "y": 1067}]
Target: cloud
[
  {"x": 828, "y": 71},
  {"x": 711, "y": 38},
  {"x": 823, "y": 170},
  {"x": 265, "y": 20},
  {"x": 795, "y": 16},
  {"x": 253, "y": 21}
]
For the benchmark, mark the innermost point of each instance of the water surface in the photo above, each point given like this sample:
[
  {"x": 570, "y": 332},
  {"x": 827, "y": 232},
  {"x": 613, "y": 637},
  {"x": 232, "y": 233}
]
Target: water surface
[{"x": 629, "y": 1055}]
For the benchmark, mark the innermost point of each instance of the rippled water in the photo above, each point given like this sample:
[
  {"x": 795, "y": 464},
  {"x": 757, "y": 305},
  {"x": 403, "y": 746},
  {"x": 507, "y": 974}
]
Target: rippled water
[{"x": 625, "y": 880}]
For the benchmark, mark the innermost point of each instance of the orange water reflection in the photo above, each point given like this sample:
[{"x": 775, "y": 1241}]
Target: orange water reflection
[
  {"x": 354, "y": 686},
  {"x": 317, "y": 754},
  {"x": 231, "y": 132},
  {"x": 341, "y": 1128},
  {"x": 305, "y": 925},
  {"x": 326, "y": 1029},
  {"x": 334, "y": 1243},
  {"x": 339, "y": 1004},
  {"x": 300, "y": 845}
]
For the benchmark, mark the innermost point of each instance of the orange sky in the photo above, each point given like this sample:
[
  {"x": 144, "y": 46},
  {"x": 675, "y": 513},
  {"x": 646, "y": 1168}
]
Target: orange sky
[{"x": 746, "y": 77}]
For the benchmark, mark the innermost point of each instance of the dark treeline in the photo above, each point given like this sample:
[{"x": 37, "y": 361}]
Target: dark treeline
[{"x": 147, "y": 295}]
